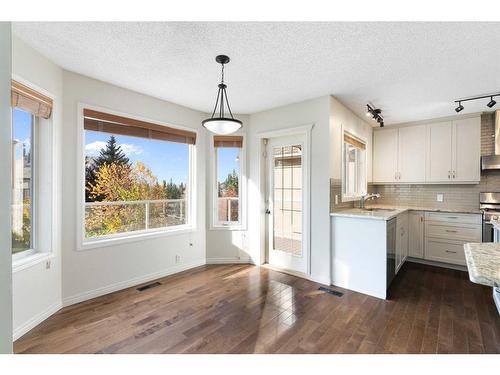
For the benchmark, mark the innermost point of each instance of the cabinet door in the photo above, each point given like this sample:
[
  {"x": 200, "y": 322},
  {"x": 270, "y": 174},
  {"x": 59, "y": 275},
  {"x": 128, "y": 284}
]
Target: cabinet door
[
  {"x": 416, "y": 235},
  {"x": 440, "y": 150},
  {"x": 467, "y": 150},
  {"x": 411, "y": 154},
  {"x": 385, "y": 155},
  {"x": 401, "y": 240}
]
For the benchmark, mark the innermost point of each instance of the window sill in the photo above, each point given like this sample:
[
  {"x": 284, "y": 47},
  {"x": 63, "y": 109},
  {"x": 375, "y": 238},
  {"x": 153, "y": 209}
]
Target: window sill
[
  {"x": 106, "y": 242},
  {"x": 30, "y": 261},
  {"x": 228, "y": 227}
]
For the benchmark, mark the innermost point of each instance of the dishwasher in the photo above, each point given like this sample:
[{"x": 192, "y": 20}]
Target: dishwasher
[{"x": 391, "y": 250}]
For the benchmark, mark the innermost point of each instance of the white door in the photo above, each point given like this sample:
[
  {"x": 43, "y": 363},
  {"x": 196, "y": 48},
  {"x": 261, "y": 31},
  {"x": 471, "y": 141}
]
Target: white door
[
  {"x": 467, "y": 151},
  {"x": 286, "y": 195},
  {"x": 439, "y": 153},
  {"x": 411, "y": 150},
  {"x": 385, "y": 155}
]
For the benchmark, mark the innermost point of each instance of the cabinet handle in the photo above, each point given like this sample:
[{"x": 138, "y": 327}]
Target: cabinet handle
[
  {"x": 451, "y": 231},
  {"x": 453, "y": 174},
  {"x": 452, "y": 217},
  {"x": 449, "y": 175},
  {"x": 451, "y": 252}
]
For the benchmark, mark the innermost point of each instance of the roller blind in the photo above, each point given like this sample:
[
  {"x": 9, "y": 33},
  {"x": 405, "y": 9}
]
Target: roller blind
[
  {"x": 29, "y": 100},
  {"x": 108, "y": 123},
  {"x": 228, "y": 141},
  {"x": 353, "y": 141}
]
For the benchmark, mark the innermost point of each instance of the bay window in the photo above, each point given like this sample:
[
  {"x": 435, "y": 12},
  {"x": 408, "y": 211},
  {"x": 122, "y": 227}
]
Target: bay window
[{"x": 138, "y": 176}]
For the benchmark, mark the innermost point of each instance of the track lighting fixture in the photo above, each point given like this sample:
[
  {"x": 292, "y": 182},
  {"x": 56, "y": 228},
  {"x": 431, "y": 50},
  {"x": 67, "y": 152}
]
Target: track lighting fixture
[
  {"x": 375, "y": 113},
  {"x": 490, "y": 104}
]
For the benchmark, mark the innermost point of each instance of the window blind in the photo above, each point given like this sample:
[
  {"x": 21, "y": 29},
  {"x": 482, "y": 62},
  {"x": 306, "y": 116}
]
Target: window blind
[
  {"x": 353, "y": 141},
  {"x": 228, "y": 141},
  {"x": 29, "y": 100},
  {"x": 108, "y": 123}
]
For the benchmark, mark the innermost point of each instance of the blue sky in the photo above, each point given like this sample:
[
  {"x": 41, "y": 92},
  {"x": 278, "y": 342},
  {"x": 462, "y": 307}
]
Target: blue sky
[
  {"x": 167, "y": 160},
  {"x": 21, "y": 131}
]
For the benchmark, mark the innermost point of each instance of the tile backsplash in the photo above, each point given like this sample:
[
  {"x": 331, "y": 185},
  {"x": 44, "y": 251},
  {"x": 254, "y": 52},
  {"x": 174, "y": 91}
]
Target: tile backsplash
[{"x": 463, "y": 197}]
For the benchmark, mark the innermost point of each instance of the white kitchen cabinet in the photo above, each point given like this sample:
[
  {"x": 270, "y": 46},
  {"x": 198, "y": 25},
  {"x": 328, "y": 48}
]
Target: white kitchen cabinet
[
  {"x": 401, "y": 239},
  {"x": 411, "y": 154},
  {"x": 385, "y": 151},
  {"x": 416, "y": 234},
  {"x": 454, "y": 151},
  {"x": 467, "y": 151},
  {"x": 440, "y": 152}
]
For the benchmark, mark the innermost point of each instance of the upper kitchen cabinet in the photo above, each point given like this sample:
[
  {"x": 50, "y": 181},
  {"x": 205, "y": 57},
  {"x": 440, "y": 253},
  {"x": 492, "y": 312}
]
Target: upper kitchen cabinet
[
  {"x": 385, "y": 156},
  {"x": 399, "y": 155},
  {"x": 467, "y": 150},
  {"x": 411, "y": 154},
  {"x": 440, "y": 155},
  {"x": 443, "y": 152},
  {"x": 454, "y": 151}
]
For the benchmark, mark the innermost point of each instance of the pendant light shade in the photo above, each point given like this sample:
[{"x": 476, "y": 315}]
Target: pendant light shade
[{"x": 219, "y": 123}]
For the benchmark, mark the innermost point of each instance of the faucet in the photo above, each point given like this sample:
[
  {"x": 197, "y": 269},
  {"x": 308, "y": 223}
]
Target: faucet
[{"x": 367, "y": 197}]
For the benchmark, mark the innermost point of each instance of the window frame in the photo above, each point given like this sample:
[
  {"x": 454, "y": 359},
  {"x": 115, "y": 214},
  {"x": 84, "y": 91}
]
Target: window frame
[
  {"x": 215, "y": 224},
  {"x": 33, "y": 186},
  {"x": 364, "y": 189},
  {"x": 85, "y": 243}
]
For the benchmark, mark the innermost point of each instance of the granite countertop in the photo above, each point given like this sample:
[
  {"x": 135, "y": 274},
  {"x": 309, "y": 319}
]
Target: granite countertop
[
  {"x": 483, "y": 262},
  {"x": 387, "y": 212}
]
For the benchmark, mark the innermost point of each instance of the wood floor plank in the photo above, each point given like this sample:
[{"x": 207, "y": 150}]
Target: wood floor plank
[{"x": 248, "y": 309}]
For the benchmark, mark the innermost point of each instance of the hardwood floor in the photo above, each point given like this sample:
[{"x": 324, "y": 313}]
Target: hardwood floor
[{"x": 248, "y": 309}]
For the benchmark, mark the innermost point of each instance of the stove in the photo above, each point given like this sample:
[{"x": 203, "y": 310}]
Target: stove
[{"x": 489, "y": 204}]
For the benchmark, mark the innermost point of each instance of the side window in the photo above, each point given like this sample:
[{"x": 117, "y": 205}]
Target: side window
[{"x": 354, "y": 180}]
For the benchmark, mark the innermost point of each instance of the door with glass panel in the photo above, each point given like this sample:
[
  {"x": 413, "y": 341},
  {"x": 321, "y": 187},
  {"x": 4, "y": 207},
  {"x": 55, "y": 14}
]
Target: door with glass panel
[{"x": 285, "y": 175}]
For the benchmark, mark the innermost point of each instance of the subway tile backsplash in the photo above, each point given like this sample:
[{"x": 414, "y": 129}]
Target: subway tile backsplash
[{"x": 461, "y": 197}]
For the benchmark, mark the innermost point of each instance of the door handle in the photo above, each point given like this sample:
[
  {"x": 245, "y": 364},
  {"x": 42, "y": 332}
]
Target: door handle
[{"x": 268, "y": 211}]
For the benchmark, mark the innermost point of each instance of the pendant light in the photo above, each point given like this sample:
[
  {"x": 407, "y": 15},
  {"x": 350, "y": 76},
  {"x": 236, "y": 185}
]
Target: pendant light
[{"x": 219, "y": 123}]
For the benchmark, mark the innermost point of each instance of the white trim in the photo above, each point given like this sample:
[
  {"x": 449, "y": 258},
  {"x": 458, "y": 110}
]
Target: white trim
[
  {"x": 30, "y": 261},
  {"x": 83, "y": 243},
  {"x": 305, "y": 130},
  {"x": 105, "y": 241},
  {"x": 428, "y": 121},
  {"x": 243, "y": 178},
  {"x": 81, "y": 297},
  {"x": 230, "y": 260},
  {"x": 36, "y": 320}
]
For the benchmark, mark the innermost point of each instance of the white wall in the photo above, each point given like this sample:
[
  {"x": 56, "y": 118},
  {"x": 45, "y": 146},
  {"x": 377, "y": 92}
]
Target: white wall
[
  {"x": 225, "y": 246},
  {"x": 98, "y": 271},
  {"x": 5, "y": 165},
  {"x": 317, "y": 112},
  {"x": 37, "y": 289}
]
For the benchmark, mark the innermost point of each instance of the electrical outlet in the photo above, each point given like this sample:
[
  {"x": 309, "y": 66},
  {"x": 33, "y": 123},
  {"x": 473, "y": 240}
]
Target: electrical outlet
[
  {"x": 177, "y": 259},
  {"x": 439, "y": 197}
]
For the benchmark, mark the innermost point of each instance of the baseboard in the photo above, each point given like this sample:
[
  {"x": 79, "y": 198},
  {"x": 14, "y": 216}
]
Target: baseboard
[
  {"x": 81, "y": 297},
  {"x": 229, "y": 260},
  {"x": 36, "y": 320},
  {"x": 438, "y": 264}
]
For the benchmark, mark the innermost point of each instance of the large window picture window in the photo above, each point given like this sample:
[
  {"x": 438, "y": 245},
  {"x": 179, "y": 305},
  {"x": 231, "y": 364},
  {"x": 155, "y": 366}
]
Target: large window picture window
[
  {"x": 228, "y": 154},
  {"x": 137, "y": 176},
  {"x": 22, "y": 180}
]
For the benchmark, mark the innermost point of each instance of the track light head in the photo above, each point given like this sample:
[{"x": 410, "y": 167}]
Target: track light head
[
  {"x": 491, "y": 103},
  {"x": 381, "y": 124},
  {"x": 459, "y": 108}
]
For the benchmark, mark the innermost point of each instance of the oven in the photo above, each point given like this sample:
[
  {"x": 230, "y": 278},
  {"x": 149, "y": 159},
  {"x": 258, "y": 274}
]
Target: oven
[{"x": 489, "y": 204}]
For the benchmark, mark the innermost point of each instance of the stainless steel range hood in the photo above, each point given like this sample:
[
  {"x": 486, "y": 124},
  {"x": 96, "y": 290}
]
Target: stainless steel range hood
[{"x": 493, "y": 161}]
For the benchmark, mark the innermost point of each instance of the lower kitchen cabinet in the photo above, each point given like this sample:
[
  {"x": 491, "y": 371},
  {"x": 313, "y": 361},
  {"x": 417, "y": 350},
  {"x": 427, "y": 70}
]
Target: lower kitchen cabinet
[
  {"x": 416, "y": 234},
  {"x": 446, "y": 234},
  {"x": 401, "y": 239}
]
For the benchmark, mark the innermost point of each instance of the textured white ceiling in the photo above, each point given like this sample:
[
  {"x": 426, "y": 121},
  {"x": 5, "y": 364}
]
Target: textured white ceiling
[{"x": 413, "y": 71}]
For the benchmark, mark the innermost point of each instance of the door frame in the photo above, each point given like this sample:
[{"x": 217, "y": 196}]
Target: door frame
[{"x": 306, "y": 131}]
